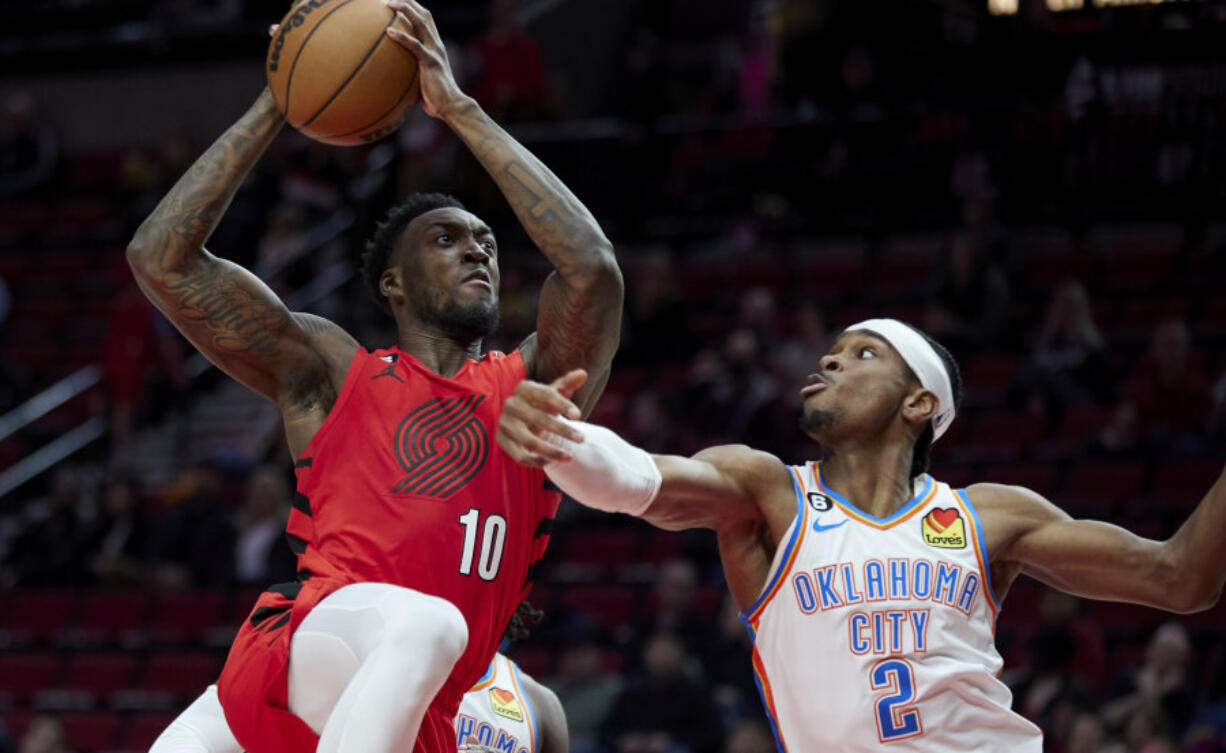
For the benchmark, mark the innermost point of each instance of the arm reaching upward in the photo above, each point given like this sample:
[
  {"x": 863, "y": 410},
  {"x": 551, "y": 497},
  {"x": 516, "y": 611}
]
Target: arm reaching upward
[
  {"x": 1097, "y": 560},
  {"x": 580, "y": 309},
  {"x": 226, "y": 311}
]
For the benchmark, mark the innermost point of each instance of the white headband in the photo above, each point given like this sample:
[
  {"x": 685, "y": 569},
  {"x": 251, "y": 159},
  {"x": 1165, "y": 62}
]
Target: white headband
[{"x": 923, "y": 360}]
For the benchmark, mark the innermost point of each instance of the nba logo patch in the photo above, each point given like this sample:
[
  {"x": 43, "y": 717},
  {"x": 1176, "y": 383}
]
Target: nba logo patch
[
  {"x": 943, "y": 527},
  {"x": 504, "y": 703}
]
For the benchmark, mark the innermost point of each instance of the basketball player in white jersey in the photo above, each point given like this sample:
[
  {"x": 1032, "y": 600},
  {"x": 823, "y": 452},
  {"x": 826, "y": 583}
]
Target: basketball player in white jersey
[
  {"x": 871, "y": 589},
  {"x": 509, "y": 712}
]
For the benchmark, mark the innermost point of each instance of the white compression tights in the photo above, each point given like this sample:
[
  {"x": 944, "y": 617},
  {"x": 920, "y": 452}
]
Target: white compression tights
[{"x": 365, "y": 665}]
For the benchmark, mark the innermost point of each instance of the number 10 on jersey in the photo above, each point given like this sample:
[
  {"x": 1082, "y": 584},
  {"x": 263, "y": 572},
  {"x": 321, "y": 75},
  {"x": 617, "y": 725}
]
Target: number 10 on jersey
[{"x": 493, "y": 537}]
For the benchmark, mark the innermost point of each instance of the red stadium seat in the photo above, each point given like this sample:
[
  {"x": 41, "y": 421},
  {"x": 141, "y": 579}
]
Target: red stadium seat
[
  {"x": 143, "y": 730},
  {"x": 114, "y": 611},
  {"x": 1038, "y": 477},
  {"x": 90, "y": 732},
  {"x": 100, "y": 673},
  {"x": 1183, "y": 483},
  {"x": 41, "y": 612},
  {"x": 610, "y": 604},
  {"x": 187, "y": 613},
  {"x": 26, "y": 674},
  {"x": 183, "y": 674},
  {"x": 609, "y": 547}
]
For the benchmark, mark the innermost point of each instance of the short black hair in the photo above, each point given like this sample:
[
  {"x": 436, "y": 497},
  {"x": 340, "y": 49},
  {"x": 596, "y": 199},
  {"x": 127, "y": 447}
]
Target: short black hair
[
  {"x": 922, "y": 454},
  {"x": 379, "y": 247},
  {"x": 521, "y": 623}
]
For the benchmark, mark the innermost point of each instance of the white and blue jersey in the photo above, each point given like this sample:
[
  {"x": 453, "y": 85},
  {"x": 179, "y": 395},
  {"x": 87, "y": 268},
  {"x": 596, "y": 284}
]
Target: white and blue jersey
[
  {"x": 877, "y": 634},
  {"x": 496, "y": 713}
]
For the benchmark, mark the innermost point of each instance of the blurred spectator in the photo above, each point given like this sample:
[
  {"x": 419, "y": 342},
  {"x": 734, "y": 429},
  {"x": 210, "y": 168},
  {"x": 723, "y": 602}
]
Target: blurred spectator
[
  {"x": 587, "y": 691},
  {"x": 1168, "y": 400},
  {"x": 655, "y": 330},
  {"x": 120, "y": 538},
  {"x": 728, "y": 665},
  {"x": 260, "y": 553},
  {"x": 29, "y": 148},
  {"x": 1086, "y": 734},
  {"x": 750, "y": 736},
  {"x": 1046, "y": 680},
  {"x": 140, "y": 343},
  {"x": 663, "y": 710},
  {"x": 508, "y": 72},
  {"x": 970, "y": 300},
  {"x": 729, "y": 388},
  {"x": 1068, "y": 362},
  {"x": 44, "y": 735},
  {"x": 759, "y": 59},
  {"x": 47, "y": 551},
  {"x": 674, "y": 609},
  {"x": 1156, "y": 700},
  {"x": 195, "y": 536},
  {"x": 1058, "y": 609}
]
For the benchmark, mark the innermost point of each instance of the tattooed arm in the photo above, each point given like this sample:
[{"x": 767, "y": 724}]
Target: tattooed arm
[
  {"x": 580, "y": 309},
  {"x": 227, "y": 312}
]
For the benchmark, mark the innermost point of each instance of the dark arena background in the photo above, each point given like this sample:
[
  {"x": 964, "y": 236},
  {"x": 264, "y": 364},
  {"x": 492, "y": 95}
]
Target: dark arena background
[{"x": 1041, "y": 184}]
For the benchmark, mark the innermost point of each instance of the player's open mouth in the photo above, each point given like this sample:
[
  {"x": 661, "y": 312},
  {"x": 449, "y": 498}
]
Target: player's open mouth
[{"x": 812, "y": 389}]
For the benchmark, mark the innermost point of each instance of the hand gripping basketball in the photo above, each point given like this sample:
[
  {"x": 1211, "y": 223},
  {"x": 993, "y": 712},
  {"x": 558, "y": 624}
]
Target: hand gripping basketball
[
  {"x": 439, "y": 90},
  {"x": 529, "y": 419}
]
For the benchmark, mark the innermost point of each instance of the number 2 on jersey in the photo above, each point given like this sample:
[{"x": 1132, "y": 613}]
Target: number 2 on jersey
[
  {"x": 492, "y": 539},
  {"x": 894, "y": 721}
]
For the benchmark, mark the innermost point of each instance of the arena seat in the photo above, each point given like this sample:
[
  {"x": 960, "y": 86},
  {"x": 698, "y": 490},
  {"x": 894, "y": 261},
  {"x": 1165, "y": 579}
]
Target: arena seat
[
  {"x": 90, "y": 731},
  {"x": 41, "y": 612},
  {"x": 181, "y": 674},
  {"x": 610, "y": 604},
  {"x": 23, "y": 674},
  {"x": 1183, "y": 483},
  {"x": 142, "y": 730},
  {"x": 114, "y": 611},
  {"x": 1038, "y": 477},
  {"x": 1095, "y": 486},
  {"x": 178, "y": 616},
  {"x": 1005, "y": 435},
  {"x": 100, "y": 673}
]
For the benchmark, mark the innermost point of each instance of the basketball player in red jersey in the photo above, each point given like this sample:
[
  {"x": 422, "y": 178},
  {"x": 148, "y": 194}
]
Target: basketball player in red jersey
[{"x": 415, "y": 534}]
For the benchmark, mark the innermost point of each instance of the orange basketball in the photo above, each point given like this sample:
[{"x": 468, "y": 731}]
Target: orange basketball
[{"x": 335, "y": 73}]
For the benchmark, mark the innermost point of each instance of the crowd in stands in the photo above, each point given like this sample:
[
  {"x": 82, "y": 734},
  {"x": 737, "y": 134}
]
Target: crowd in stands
[{"x": 1092, "y": 342}]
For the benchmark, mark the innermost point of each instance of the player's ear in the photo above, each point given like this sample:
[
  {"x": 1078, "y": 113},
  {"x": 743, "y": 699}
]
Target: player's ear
[
  {"x": 391, "y": 285},
  {"x": 920, "y": 406}
]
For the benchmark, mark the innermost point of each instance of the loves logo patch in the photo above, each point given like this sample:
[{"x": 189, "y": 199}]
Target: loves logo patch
[
  {"x": 944, "y": 527},
  {"x": 504, "y": 703}
]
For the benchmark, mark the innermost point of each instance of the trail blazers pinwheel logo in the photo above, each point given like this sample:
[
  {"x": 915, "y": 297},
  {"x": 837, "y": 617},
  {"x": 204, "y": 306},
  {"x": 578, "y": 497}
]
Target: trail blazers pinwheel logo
[
  {"x": 441, "y": 445},
  {"x": 943, "y": 527},
  {"x": 504, "y": 703}
]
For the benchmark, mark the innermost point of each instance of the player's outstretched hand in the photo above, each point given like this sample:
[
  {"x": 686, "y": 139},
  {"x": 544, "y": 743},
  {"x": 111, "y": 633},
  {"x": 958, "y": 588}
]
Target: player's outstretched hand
[
  {"x": 439, "y": 90},
  {"x": 528, "y": 427}
]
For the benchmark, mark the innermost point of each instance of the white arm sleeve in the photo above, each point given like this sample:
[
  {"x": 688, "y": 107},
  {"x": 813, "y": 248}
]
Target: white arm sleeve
[{"x": 605, "y": 471}]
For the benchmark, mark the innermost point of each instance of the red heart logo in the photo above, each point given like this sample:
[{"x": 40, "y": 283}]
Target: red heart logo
[
  {"x": 942, "y": 518},
  {"x": 502, "y": 696}
]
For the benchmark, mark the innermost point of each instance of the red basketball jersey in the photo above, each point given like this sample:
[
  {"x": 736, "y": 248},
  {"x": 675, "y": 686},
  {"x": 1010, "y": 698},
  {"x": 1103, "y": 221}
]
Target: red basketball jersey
[{"x": 404, "y": 484}]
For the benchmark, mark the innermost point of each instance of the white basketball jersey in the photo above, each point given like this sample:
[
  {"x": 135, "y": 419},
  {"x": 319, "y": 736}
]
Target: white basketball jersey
[
  {"x": 878, "y": 634},
  {"x": 496, "y": 713}
]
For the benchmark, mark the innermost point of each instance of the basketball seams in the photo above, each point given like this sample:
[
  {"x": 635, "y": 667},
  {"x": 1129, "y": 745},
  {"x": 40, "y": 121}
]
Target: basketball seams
[
  {"x": 399, "y": 103},
  {"x": 352, "y": 73},
  {"x": 289, "y": 78}
]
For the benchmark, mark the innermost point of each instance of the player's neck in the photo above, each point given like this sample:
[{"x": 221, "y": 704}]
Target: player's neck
[
  {"x": 438, "y": 352},
  {"x": 876, "y": 479}
]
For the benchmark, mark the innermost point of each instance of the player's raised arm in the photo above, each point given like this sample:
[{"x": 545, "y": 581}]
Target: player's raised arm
[
  {"x": 580, "y": 309},
  {"x": 226, "y": 311},
  {"x": 717, "y": 488},
  {"x": 1099, "y": 560}
]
